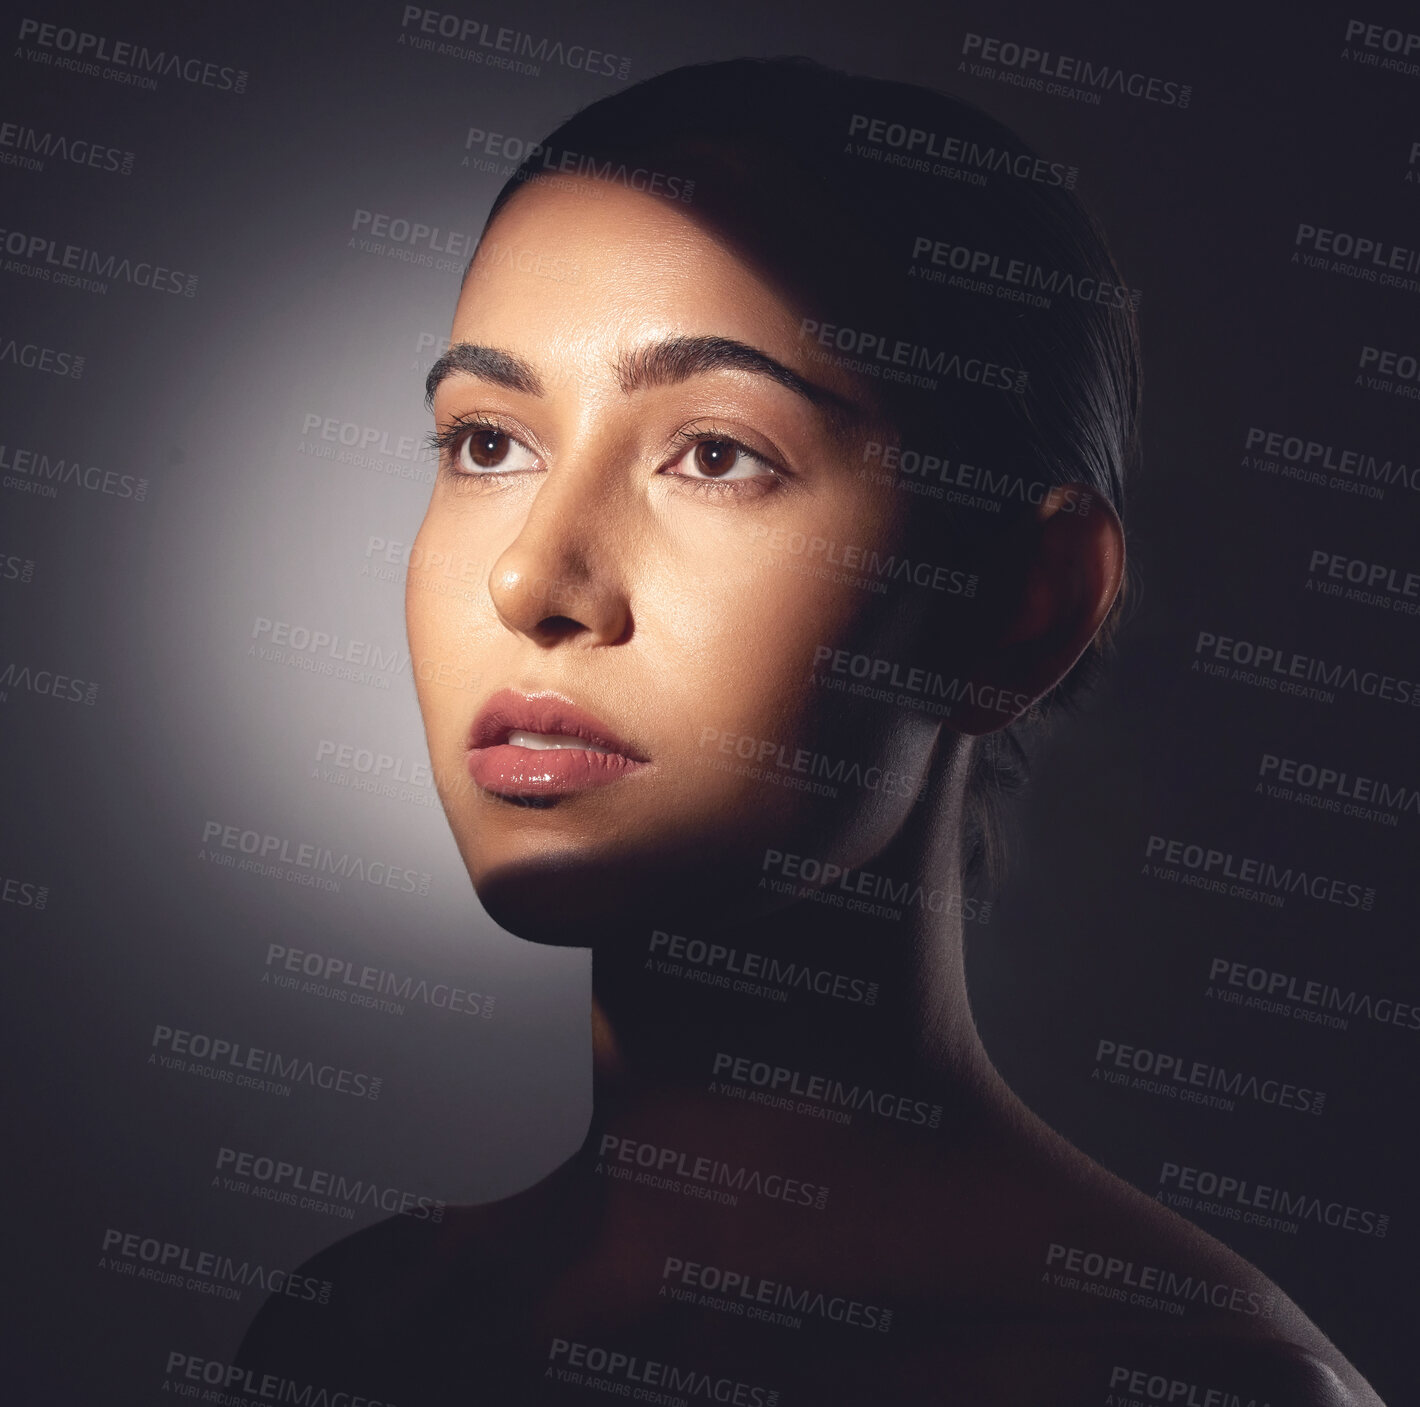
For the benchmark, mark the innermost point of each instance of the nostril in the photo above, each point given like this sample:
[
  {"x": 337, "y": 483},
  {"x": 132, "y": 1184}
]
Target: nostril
[{"x": 559, "y": 625}]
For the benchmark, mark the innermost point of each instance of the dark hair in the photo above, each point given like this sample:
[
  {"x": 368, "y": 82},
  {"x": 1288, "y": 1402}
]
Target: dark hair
[{"x": 830, "y": 183}]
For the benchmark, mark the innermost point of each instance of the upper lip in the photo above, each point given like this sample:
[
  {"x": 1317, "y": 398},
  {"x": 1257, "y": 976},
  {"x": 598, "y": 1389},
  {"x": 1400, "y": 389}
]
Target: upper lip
[{"x": 509, "y": 711}]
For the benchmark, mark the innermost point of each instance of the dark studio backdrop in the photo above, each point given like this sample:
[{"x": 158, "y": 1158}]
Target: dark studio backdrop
[{"x": 211, "y": 478}]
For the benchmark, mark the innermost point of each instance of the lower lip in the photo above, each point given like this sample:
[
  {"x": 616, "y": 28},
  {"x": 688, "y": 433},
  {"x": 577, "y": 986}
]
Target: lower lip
[{"x": 524, "y": 771}]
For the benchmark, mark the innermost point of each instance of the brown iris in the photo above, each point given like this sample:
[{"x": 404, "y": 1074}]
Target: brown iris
[
  {"x": 716, "y": 457},
  {"x": 487, "y": 448}
]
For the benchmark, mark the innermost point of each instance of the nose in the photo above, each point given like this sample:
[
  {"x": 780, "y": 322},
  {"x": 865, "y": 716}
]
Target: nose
[{"x": 561, "y": 579}]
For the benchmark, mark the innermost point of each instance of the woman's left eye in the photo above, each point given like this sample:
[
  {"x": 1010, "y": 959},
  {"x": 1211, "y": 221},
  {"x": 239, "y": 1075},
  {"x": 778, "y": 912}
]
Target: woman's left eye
[{"x": 719, "y": 460}]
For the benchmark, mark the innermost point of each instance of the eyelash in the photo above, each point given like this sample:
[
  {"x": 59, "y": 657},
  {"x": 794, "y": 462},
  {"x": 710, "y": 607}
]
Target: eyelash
[
  {"x": 445, "y": 444},
  {"x": 685, "y": 440}
]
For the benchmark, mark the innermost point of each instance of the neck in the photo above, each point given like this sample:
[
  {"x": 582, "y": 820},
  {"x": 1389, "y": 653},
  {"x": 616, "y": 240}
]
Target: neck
[{"x": 873, "y": 998}]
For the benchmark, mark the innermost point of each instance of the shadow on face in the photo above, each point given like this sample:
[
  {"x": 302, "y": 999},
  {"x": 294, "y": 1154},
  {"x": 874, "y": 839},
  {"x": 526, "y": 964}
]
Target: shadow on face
[{"x": 665, "y": 493}]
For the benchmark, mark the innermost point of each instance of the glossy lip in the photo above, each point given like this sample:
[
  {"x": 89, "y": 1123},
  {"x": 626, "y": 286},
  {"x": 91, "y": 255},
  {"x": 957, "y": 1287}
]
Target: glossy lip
[{"x": 517, "y": 772}]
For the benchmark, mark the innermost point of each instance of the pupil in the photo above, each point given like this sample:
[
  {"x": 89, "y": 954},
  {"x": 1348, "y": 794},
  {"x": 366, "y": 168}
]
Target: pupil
[
  {"x": 715, "y": 457},
  {"x": 487, "y": 447}
]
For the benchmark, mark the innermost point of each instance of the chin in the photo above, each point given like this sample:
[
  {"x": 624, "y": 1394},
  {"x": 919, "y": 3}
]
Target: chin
[{"x": 596, "y": 899}]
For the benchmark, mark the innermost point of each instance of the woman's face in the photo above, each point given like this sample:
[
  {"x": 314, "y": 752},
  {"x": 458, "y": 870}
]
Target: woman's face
[{"x": 626, "y": 704}]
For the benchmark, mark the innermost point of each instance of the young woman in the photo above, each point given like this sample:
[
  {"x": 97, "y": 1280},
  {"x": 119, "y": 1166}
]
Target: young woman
[{"x": 790, "y": 413}]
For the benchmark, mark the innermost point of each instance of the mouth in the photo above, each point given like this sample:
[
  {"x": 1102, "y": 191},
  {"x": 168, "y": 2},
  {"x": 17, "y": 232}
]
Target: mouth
[{"x": 532, "y": 748}]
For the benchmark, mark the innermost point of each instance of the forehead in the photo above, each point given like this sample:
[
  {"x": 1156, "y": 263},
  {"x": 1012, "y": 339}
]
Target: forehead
[{"x": 583, "y": 260}]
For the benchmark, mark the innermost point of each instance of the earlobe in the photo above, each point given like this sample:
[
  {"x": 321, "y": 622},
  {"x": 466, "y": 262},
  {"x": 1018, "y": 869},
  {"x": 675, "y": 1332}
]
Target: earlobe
[{"x": 1053, "y": 579}]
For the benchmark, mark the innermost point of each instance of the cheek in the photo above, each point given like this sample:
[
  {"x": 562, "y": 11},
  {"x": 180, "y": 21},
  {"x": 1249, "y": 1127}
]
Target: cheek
[
  {"x": 802, "y": 765},
  {"x": 738, "y": 635},
  {"x": 734, "y": 642}
]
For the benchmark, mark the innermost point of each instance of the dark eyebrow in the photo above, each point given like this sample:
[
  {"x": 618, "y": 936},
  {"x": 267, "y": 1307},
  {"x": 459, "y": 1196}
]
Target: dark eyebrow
[
  {"x": 658, "y": 364},
  {"x": 680, "y": 358},
  {"x": 488, "y": 364}
]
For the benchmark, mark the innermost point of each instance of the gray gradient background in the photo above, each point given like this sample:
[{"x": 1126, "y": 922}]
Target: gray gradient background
[{"x": 156, "y": 601}]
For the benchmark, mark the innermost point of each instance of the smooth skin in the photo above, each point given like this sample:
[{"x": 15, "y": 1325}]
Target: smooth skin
[{"x": 624, "y": 575}]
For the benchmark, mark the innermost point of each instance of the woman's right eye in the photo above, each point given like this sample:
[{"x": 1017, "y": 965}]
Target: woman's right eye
[{"x": 485, "y": 450}]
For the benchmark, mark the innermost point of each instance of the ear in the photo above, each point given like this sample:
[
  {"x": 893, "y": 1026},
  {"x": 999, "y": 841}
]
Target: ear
[{"x": 1046, "y": 587}]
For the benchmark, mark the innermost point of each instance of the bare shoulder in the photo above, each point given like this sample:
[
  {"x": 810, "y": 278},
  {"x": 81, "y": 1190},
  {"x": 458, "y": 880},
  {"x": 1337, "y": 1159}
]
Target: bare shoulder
[
  {"x": 410, "y": 1298},
  {"x": 1182, "y": 1368},
  {"x": 1195, "y": 1315}
]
